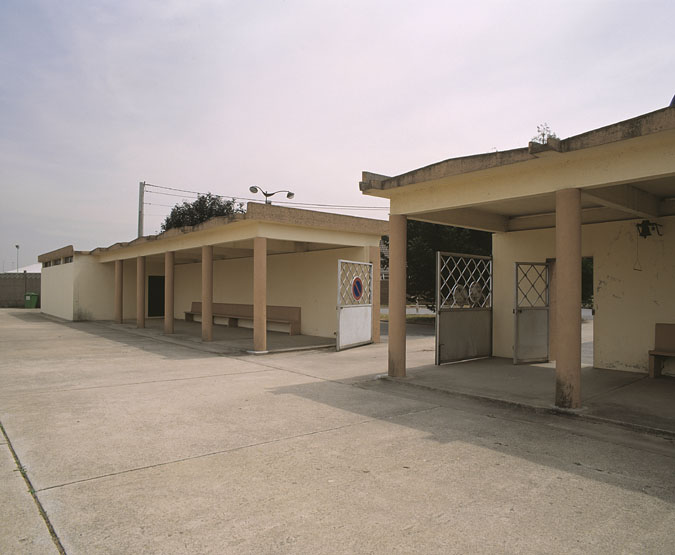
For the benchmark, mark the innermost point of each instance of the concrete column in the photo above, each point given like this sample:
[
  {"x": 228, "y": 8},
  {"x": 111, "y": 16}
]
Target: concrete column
[
  {"x": 140, "y": 292},
  {"x": 168, "y": 291},
  {"x": 568, "y": 298},
  {"x": 397, "y": 286},
  {"x": 119, "y": 291},
  {"x": 207, "y": 293},
  {"x": 374, "y": 258},
  {"x": 260, "y": 294}
]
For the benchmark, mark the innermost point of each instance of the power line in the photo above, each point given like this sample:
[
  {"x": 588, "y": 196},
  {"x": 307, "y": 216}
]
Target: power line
[{"x": 234, "y": 198}]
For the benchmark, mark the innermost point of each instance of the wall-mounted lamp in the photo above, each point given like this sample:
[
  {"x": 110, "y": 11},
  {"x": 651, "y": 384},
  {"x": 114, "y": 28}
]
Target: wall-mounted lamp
[
  {"x": 646, "y": 228},
  {"x": 267, "y": 195}
]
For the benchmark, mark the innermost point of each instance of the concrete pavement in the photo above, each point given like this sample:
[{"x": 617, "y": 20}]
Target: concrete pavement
[{"x": 135, "y": 445}]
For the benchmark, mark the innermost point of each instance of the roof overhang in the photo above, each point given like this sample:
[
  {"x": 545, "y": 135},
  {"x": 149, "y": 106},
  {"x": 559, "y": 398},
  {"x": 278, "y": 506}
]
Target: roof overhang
[
  {"x": 287, "y": 230},
  {"x": 625, "y": 171}
]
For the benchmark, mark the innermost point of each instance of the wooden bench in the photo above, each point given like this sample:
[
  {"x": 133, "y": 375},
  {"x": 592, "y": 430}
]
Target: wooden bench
[
  {"x": 234, "y": 312},
  {"x": 664, "y": 347}
]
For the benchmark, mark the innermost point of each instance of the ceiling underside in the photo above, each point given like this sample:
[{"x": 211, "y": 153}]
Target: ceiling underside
[
  {"x": 646, "y": 200},
  {"x": 244, "y": 249}
]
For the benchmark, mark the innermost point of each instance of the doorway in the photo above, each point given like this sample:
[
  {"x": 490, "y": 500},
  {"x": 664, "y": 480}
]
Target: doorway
[{"x": 155, "y": 296}]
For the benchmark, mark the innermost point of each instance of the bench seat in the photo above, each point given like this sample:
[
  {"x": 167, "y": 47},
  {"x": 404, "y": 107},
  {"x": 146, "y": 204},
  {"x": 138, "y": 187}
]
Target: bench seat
[
  {"x": 290, "y": 315},
  {"x": 664, "y": 347}
]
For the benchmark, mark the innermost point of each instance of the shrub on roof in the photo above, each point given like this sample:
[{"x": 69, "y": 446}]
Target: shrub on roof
[{"x": 202, "y": 209}]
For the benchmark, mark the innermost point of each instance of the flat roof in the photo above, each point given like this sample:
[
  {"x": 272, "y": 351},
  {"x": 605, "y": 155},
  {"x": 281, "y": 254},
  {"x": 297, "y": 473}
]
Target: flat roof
[
  {"x": 646, "y": 124},
  {"x": 274, "y": 221}
]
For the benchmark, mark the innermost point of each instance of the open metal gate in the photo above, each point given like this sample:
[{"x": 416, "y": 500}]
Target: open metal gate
[
  {"x": 354, "y": 304},
  {"x": 463, "y": 307},
  {"x": 531, "y": 313}
]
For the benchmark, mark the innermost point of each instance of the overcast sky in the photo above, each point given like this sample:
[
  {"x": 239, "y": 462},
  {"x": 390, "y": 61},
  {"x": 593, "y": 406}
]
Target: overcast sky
[{"x": 217, "y": 96}]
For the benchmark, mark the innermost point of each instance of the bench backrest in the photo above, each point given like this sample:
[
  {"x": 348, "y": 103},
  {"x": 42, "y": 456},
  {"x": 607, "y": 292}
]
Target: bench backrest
[
  {"x": 664, "y": 337},
  {"x": 233, "y": 310},
  {"x": 290, "y": 313}
]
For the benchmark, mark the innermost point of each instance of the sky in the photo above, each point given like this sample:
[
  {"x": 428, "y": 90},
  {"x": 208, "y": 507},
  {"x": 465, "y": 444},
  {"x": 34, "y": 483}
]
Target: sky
[{"x": 216, "y": 96}]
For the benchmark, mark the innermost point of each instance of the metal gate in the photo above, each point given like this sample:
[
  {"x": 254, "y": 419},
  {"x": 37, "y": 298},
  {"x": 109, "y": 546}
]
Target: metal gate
[
  {"x": 354, "y": 304},
  {"x": 463, "y": 307},
  {"x": 531, "y": 312}
]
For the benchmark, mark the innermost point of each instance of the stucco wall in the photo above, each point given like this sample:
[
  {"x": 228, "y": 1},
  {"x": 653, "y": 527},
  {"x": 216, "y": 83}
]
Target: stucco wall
[
  {"x": 93, "y": 290},
  {"x": 307, "y": 280},
  {"x": 628, "y": 302},
  {"x": 57, "y": 290}
]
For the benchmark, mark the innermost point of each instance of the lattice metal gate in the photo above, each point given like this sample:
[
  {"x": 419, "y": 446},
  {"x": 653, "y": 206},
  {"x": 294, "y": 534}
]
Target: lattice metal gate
[
  {"x": 354, "y": 304},
  {"x": 531, "y": 313},
  {"x": 463, "y": 307}
]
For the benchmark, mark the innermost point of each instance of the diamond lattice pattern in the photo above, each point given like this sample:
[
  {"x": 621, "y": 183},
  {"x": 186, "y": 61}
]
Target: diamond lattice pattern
[
  {"x": 465, "y": 282},
  {"x": 347, "y": 272},
  {"x": 532, "y": 289}
]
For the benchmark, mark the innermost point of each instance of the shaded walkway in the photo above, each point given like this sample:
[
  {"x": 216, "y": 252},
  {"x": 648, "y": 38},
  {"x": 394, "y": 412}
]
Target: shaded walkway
[
  {"x": 226, "y": 340},
  {"x": 628, "y": 398}
]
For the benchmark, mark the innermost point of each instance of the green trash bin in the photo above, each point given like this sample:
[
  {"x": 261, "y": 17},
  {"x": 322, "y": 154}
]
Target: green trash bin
[{"x": 31, "y": 300}]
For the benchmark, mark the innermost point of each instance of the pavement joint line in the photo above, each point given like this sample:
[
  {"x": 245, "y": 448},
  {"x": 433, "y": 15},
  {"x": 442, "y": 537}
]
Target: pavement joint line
[
  {"x": 108, "y": 386},
  {"x": 234, "y": 449},
  {"x": 574, "y": 432},
  {"x": 600, "y": 394},
  {"x": 569, "y": 413},
  {"x": 328, "y": 380},
  {"x": 33, "y": 493}
]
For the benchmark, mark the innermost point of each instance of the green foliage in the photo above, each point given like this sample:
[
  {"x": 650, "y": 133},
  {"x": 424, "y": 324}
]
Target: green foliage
[
  {"x": 424, "y": 240},
  {"x": 543, "y": 133},
  {"x": 204, "y": 208}
]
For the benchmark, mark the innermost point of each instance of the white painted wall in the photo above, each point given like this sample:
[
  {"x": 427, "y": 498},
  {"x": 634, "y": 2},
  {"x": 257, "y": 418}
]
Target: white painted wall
[
  {"x": 307, "y": 280},
  {"x": 94, "y": 288},
  {"x": 57, "y": 286},
  {"x": 628, "y": 302}
]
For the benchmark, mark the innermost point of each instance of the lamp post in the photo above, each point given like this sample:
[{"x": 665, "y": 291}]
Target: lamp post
[
  {"x": 17, "y": 258},
  {"x": 267, "y": 195}
]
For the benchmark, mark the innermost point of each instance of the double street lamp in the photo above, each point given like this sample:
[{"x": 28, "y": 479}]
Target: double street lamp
[{"x": 267, "y": 194}]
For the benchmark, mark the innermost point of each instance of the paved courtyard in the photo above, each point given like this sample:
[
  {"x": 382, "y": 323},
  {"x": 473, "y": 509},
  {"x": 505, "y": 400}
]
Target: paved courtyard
[{"x": 137, "y": 445}]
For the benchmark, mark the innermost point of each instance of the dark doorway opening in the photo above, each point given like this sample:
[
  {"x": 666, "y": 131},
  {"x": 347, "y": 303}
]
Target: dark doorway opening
[{"x": 155, "y": 296}]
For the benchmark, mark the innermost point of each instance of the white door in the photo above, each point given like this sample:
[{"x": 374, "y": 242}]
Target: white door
[
  {"x": 354, "y": 304},
  {"x": 531, "y": 313}
]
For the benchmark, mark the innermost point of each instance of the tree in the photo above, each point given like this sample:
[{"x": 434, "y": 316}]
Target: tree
[
  {"x": 424, "y": 240},
  {"x": 543, "y": 134},
  {"x": 204, "y": 208}
]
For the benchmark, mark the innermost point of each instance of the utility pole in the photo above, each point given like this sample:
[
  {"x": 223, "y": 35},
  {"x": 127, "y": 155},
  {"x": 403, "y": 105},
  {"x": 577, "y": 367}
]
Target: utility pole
[
  {"x": 141, "y": 200},
  {"x": 17, "y": 258}
]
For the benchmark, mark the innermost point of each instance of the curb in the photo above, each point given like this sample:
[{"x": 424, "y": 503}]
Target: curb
[{"x": 570, "y": 413}]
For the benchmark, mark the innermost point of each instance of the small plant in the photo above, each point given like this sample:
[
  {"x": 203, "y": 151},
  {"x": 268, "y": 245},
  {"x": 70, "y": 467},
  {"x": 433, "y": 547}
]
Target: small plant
[{"x": 543, "y": 134}]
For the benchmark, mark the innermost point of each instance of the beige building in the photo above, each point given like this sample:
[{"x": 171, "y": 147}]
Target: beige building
[
  {"x": 608, "y": 194},
  {"x": 272, "y": 267}
]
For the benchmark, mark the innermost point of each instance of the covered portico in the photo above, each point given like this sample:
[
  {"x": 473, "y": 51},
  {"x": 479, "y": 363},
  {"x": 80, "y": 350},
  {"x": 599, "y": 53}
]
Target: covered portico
[
  {"x": 536, "y": 201},
  {"x": 271, "y": 267}
]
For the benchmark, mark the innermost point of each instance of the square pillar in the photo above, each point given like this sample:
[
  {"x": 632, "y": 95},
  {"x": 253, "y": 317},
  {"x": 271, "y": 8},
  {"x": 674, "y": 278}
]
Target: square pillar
[
  {"x": 374, "y": 259},
  {"x": 207, "y": 293},
  {"x": 260, "y": 294},
  {"x": 140, "y": 292},
  {"x": 119, "y": 291},
  {"x": 397, "y": 298},
  {"x": 568, "y": 298},
  {"x": 168, "y": 291}
]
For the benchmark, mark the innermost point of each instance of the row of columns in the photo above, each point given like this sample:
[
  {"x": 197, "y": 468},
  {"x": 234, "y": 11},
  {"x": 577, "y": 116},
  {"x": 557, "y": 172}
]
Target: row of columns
[
  {"x": 567, "y": 292},
  {"x": 259, "y": 293}
]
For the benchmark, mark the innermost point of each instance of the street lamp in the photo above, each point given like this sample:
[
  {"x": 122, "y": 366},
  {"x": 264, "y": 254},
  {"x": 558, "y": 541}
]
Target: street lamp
[
  {"x": 17, "y": 258},
  {"x": 267, "y": 195}
]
